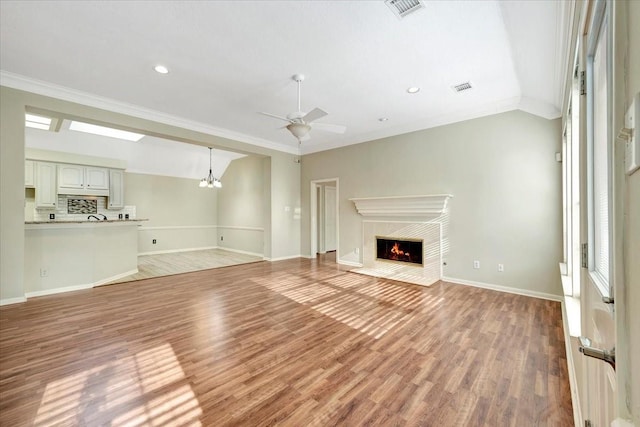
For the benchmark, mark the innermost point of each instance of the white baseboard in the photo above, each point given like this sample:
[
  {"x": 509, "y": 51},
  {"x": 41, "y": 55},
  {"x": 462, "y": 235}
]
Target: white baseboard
[
  {"x": 238, "y": 251},
  {"x": 8, "y": 301},
  {"x": 171, "y": 251},
  {"x": 349, "y": 263},
  {"x": 58, "y": 290},
  {"x": 78, "y": 287},
  {"x": 283, "y": 258},
  {"x": 506, "y": 289}
]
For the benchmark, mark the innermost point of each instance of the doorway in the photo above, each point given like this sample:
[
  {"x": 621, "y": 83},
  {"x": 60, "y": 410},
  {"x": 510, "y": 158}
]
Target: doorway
[{"x": 324, "y": 208}]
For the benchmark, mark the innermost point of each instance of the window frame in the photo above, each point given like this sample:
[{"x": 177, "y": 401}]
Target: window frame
[{"x": 599, "y": 27}]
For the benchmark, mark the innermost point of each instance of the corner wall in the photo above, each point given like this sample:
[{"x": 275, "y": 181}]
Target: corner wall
[
  {"x": 240, "y": 207},
  {"x": 12, "y": 197},
  {"x": 506, "y": 187}
]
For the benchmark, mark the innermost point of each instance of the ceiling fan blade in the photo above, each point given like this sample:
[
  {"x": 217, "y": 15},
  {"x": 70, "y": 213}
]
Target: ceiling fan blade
[
  {"x": 314, "y": 114},
  {"x": 330, "y": 128},
  {"x": 274, "y": 116}
]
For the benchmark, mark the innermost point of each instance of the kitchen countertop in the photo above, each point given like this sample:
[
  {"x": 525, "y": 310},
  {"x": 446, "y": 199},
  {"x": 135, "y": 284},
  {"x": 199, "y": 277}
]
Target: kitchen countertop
[{"x": 84, "y": 221}]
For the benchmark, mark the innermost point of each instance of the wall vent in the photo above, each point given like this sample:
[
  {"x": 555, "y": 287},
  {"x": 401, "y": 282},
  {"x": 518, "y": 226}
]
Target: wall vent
[
  {"x": 462, "y": 87},
  {"x": 402, "y": 8}
]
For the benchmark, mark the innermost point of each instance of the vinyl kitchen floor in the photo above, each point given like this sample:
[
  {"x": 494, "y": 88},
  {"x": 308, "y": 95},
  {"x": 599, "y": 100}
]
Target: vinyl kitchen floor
[{"x": 184, "y": 262}]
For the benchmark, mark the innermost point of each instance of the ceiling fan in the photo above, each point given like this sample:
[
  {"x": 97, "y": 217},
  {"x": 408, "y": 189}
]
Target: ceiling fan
[{"x": 300, "y": 123}]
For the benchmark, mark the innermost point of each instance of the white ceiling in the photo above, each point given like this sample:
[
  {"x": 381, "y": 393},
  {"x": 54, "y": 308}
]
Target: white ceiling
[
  {"x": 229, "y": 60},
  {"x": 150, "y": 155}
]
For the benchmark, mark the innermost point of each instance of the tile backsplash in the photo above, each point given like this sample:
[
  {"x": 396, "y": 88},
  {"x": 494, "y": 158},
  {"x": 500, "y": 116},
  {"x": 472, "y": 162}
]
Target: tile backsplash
[{"x": 81, "y": 204}]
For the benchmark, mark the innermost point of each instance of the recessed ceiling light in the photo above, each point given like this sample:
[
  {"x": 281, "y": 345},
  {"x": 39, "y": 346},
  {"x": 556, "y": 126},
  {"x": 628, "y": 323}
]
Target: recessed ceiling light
[
  {"x": 161, "y": 69},
  {"x": 413, "y": 89},
  {"x": 383, "y": 119},
  {"x": 105, "y": 131}
]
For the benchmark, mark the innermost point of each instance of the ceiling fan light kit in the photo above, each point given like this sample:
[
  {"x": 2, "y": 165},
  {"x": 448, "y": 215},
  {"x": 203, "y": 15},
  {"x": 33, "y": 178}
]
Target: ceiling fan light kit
[
  {"x": 300, "y": 123},
  {"x": 299, "y": 130}
]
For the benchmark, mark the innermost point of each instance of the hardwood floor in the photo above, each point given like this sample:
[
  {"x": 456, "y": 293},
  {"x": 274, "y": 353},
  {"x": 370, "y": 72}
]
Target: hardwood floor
[
  {"x": 184, "y": 262},
  {"x": 292, "y": 343}
]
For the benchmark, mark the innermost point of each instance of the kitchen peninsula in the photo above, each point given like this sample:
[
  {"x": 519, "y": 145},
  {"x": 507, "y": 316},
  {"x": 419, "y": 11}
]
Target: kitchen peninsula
[{"x": 62, "y": 256}]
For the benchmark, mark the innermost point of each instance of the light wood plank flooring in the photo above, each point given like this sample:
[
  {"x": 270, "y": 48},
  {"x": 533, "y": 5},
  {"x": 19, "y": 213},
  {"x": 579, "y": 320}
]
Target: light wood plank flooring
[
  {"x": 184, "y": 262},
  {"x": 292, "y": 343}
]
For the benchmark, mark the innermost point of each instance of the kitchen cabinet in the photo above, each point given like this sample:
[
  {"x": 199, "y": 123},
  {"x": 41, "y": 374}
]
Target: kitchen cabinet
[
  {"x": 83, "y": 180},
  {"x": 70, "y": 176},
  {"x": 96, "y": 178},
  {"x": 29, "y": 174},
  {"x": 45, "y": 185},
  {"x": 116, "y": 189}
]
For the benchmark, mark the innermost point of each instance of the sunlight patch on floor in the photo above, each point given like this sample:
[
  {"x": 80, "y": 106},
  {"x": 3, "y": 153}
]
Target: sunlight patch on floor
[
  {"x": 119, "y": 391},
  {"x": 372, "y": 308}
]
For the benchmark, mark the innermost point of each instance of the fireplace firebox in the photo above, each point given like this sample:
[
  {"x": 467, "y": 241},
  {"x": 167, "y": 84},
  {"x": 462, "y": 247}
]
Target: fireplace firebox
[{"x": 399, "y": 250}]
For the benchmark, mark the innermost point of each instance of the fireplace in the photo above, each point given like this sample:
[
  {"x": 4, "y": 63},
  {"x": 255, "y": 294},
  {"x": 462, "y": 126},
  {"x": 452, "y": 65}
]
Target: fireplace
[
  {"x": 403, "y": 237},
  {"x": 403, "y": 250}
]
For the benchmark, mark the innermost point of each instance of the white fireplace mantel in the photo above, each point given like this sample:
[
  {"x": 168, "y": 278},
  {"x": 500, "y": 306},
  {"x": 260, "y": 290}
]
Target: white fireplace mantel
[{"x": 402, "y": 206}]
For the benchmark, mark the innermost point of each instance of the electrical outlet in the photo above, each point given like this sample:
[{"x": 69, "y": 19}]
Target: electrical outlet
[
  {"x": 500, "y": 268},
  {"x": 476, "y": 264},
  {"x": 154, "y": 241},
  {"x": 44, "y": 272},
  {"x": 357, "y": 251}
]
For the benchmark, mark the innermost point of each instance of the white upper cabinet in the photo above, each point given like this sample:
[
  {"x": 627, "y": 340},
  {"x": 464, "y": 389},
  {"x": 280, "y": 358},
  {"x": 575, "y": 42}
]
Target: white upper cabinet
[
  {"x": 97, "y": 178},
  {"x": 29, "y": 174},
  {"x": 45, "y": 184},
  {"x": 70, "y": 176},
  {"x": 83, "y": 180},
  {"x": 116, "y": 189}
]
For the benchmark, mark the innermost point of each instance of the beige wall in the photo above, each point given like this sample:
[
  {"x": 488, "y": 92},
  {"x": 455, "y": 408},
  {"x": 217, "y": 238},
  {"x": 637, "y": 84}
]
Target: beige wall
[
  {"x": 285, "y": 207},
  {"x": 506, "y": 185},
  {"x": 11, "y": 196},
  {"x": 181, "y": 214},
  {"x": 241, "y": 221}
]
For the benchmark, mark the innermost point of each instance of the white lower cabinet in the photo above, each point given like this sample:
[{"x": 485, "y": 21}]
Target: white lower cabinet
[{"x": 45, "y": 185}]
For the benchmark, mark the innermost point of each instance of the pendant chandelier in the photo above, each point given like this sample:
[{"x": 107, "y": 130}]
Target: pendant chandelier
[{"x": 210, "y": 181}]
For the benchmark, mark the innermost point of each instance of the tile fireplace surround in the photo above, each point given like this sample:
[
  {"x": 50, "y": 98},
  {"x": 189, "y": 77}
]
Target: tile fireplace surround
[{"x": 403, "y": 217}]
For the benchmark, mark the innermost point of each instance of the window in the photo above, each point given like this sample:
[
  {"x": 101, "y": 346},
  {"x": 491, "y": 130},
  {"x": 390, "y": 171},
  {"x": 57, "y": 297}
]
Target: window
[
  {"x": 571, "y": 190},
  {"x": 599, "y": 153}
]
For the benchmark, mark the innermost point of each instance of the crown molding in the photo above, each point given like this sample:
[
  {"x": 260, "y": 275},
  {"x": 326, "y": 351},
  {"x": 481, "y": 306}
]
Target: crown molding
[{"x": 20, "y": 82}]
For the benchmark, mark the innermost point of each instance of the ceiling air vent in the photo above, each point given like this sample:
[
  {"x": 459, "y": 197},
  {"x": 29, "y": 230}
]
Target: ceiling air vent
[
  {"x": 402, "y": 8},
  {"x": 462, "y": 87}
]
